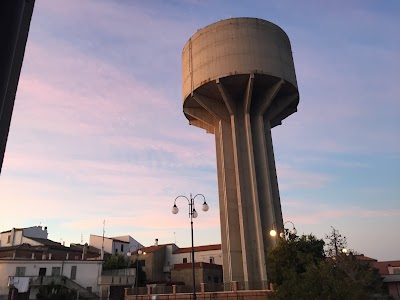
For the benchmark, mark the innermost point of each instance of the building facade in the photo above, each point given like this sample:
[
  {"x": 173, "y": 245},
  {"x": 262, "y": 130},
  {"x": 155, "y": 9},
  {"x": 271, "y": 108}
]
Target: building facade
[
  {"x": 114, "y": 245},
  {"x": 18, "y": 236},
  {"x": 80, "y": 275}
]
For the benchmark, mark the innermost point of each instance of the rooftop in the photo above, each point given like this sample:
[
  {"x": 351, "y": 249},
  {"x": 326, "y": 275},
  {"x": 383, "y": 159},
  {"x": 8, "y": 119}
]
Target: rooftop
[{"x": 199, "y": 248}]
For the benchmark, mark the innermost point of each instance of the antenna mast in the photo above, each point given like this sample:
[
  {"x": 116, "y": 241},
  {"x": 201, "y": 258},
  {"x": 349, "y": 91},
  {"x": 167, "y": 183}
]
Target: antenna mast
[{"x": 102, "y": 243}]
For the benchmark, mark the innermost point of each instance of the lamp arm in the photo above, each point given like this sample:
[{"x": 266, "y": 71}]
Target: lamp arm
[
  {"x": 204, "y": 198},
  {"x": 181, "y": 196}
]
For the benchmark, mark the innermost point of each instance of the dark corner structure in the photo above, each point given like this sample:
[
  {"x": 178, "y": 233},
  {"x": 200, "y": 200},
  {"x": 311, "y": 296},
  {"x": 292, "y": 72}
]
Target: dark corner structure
[{"x": 15, "y": 19}]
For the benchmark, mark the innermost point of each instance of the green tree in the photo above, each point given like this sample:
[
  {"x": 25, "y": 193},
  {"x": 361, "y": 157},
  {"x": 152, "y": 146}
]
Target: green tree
[
  {"x": 292, "y": 256},
  {"x": 337, "y": 243},
  {"x": 346, "y": 277},
  {"x": 299, "y": 269},
  {"x": 116, "y": 261}
]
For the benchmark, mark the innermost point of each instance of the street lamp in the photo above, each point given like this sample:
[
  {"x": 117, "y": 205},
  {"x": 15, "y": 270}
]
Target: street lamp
[
  {"x": 139, "y": 252},
  {"x": 273, "y": 230},
  {"x": 192, "y": 214},
  {"x": 286, "y": 232}
]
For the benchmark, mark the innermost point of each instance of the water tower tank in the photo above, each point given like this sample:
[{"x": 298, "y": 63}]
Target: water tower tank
[{"x": 238, "y": 82}]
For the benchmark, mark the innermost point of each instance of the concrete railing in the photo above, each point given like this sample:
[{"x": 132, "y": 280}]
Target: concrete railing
[{"x": 234, "y": 293}]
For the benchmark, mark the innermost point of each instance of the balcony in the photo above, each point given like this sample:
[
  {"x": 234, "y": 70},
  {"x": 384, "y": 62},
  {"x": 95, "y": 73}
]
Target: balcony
[{"x": 116, "y": 280}]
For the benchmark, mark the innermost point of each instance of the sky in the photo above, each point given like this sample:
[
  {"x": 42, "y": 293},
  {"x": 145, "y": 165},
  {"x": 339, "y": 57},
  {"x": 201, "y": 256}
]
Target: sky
[{"x": 98, "y": 134}]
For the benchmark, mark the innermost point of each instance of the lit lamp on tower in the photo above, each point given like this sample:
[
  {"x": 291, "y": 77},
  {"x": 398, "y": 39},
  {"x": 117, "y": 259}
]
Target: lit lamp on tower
[{"x": 286, "y": 232}]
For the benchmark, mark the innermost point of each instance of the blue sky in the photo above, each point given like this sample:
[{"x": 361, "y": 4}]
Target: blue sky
[{"x": 98, "y": 131}]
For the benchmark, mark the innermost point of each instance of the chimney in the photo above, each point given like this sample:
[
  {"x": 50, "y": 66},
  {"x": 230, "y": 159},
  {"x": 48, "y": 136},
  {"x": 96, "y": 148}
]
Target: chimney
[
  {"x": 156, "y": 242},
  {"x": 84, "y": 253}
]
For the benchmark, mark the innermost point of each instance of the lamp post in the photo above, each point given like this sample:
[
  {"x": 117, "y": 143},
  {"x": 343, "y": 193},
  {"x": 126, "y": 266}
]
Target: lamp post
[
  {"x": 192, "y": 214},
  {"x": 286, "y": 232},
  {"x": 139, "y": 252}
]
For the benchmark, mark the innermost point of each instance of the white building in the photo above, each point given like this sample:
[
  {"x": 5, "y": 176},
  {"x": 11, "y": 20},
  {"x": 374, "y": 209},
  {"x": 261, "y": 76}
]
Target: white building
[
  {"x": 208, "y": 253},
  {"x": 18, "y": 236},
  {"x": 80, "y": 275},
  {"x": 114, "y": 245}
]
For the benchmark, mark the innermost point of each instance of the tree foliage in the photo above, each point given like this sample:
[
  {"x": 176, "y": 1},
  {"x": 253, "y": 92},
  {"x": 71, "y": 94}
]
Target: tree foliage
[
  {"x": 117, "y": 261},
  {"x": 299, "y": 268},
  {"x": 292, "y": 256},
  {"x": 337, "y": 243},
  {"x": 120, "y": 261}
]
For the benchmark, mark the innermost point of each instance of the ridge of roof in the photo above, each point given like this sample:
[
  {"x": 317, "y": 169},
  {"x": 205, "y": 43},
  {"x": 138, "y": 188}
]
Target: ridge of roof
[
  {"x": 47, "y": 242},
  {"x": 199, "y": 248},
  {"x": 364, "y": 258},
  {"x": 11, "y": 230},
  {"x": 111, "y": 238},
  {"x": 383, "y": 266}
]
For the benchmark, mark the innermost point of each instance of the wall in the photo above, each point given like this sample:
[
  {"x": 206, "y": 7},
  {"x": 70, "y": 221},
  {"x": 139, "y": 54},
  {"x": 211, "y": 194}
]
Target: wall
[
  {"x": 248, "y": 295},
  {"x": 15, "y": 234},
  {"x": 97, "y": 241},
  {"x": 169, "y": 250},
  {"x": 133, "y": 244},
  {"x": 158, "y": 264},
  {"x": 18, "y": 236},
  {"x": 185, "y": 275},
  {"x": 200, "y": 256},
  {"x": 27, "y": 240},
  {"x": 36, "y": 232},
  {"x": 117, "y": 247}
]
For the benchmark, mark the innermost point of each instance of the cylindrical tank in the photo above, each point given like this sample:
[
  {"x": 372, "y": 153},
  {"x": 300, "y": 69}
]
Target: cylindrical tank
[{"x": 239, "y": 81}]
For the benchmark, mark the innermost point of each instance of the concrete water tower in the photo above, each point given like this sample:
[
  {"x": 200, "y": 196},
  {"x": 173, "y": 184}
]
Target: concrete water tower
[{"x": 239, "y": 82}]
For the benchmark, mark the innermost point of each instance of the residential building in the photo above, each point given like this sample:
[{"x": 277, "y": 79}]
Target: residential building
[
  {"x": 26, "y": 267},
  {"x": 208, "y": 273},
  {"x": 211, "y": 254},
  {"x": 167, "y": 263},
  {"x": 390, "y": 272},
  {"x": 155, "y": 262},
  {"x": 114, "y": 245},
  {"x": 18, "y": 236},
  {"x": 26, "y": 275}
]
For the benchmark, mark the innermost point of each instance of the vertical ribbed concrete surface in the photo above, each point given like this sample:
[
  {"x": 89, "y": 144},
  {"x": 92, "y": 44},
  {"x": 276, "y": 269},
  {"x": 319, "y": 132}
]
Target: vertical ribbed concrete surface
[
  {"x": 15, "y": 20},
  {"x": 239, "y": 82}
]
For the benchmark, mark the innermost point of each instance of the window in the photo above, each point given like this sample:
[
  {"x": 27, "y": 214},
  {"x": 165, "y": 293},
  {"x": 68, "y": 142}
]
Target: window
[
  {"x": 42, "y": 271},
  {"x": 142, "y": 263},
  {"x": 20, "y": 271},
  {"x": 73, "y": 273},
  {"x": 122, "y": 247},
  {"x": 55, "y": 271},
  {"x": 116, "y": 250},
  {"x": 185, "y": 260},
  {"x": 216, "y": 279},
  {"x": 212, "y": 260},
  {"x": 9, "y": 239},
  {"x": 89, "y": 288},
  {"x": 209, "y": 278}
]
